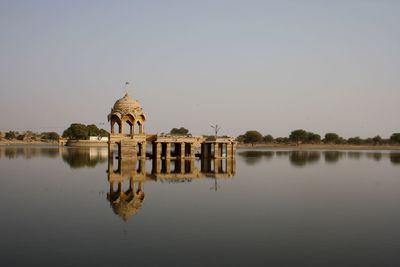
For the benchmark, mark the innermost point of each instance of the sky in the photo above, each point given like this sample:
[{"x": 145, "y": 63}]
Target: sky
[{"x": 271, "y": 66}]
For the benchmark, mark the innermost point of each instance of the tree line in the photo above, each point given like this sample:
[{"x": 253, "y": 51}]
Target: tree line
[
  {"x": 301, "y": 136},
  {"x": 76, "y": 131},
  {"x": 29, "y": 136}
]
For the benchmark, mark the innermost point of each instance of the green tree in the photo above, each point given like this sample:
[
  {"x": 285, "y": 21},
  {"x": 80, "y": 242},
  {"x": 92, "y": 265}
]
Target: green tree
[
  {"x": 240, "y": 138},
  {"x": 395, "y": 138},
  {"x": 53, "y": 136},
  {"x": 355, "y": 140},
  {"x": 331, "y": 138},
  {"x": 313, "y": 138},
  {"x": 298, "y": 136},
  {"x": 282, "y": 140},
  {"x": 180, "y": 131},
  {"x": 252, "y": 137},
  {"x": 11, "y": 135},
  {"x": 268, "y": 138},
  {"x": 76, "y": 131}
]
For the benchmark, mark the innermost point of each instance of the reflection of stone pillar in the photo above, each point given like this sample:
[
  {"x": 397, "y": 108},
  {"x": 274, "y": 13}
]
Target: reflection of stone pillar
[
  {"x": 182, "y": 166},
  {"x": 192, "y": 166},
  {"x": 110, "y": 158},
  {"x": 168, "y": 165},
  {"x": 156, "y": 166},
  {"x": 168, "y": 151},
  {"x": 217, "y": 166}
]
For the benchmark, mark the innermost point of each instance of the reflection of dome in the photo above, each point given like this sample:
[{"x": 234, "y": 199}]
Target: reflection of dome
[
  {"x": 127, "y": 106},
  {"x": 126, "y": 204}
]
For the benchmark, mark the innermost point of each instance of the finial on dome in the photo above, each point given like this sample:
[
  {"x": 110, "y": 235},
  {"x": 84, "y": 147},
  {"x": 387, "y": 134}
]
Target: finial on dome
[{"x": 126, "y": 89}]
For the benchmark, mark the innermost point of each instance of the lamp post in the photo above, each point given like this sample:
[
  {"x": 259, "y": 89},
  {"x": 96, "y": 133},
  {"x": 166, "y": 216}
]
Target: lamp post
[{"x": 216, "y": 129}]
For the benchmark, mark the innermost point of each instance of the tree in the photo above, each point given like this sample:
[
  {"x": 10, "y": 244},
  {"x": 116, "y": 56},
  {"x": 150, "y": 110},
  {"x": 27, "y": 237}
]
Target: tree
[
  {"x": 76, "y": 131},
  {"x": 355, "y": 140},
  {"x": 313, "y": 138},
  {"x": 180, "y": 131},
  {"x": 395, "y": 138},
  {"x": 79, "y": 131},
  {"x": 268, "y": 138},
  {"x": 282, "y": 140},
  {"x": 240, "y": 138},
  {"x": 331, "y": 138},
  {"x": 252, "y": 137},
  {"x": 298, "y": 136},
  {"x": 11, "y": 135},
  {"x": 50, "y": 136}
]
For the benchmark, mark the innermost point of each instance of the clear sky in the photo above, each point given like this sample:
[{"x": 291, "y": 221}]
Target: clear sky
[{"x": 271, "y": 66}]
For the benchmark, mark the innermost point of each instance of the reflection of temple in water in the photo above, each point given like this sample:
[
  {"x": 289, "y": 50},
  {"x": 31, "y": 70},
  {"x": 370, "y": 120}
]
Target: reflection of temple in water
[{"x": 126, "y": 177}]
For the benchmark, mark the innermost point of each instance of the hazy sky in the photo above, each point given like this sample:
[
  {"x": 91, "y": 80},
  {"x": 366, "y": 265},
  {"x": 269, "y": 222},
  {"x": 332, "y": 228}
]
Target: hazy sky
[{"x": 272, "y": 66}]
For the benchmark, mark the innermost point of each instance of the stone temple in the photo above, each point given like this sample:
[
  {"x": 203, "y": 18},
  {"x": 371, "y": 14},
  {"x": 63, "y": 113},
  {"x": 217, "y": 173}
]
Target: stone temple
[{"x": 127, "y": 120}]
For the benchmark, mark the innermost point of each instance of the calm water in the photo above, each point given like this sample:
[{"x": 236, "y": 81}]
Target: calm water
[{"x": 269, "y": 208}]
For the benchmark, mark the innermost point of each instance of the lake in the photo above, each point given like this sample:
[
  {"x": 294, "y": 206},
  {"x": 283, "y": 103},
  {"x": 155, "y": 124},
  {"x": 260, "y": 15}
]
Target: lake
[{"x": 74, "y": 207}]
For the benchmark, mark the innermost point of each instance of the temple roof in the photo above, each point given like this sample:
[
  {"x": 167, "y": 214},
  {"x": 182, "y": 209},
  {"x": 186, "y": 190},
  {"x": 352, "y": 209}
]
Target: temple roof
[{"x": 127, "y": 105}]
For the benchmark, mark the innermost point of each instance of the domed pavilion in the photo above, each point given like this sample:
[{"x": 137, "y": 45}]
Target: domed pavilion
[{"x": 127, "y": 114}]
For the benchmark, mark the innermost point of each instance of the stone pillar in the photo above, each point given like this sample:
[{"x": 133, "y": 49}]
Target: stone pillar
[
  {"x": 131, "y": 130},
  {"x": 209, "y": 149},
  {"x": 233, "y": 149},
  {"x": 121, "y": 128},
  {"x": 192, "y": 154},
  {"x": 217, "y": 150},
  {"x": 228, "y": 150},
  {"x": 182, "y": 154},
  {"x": 158, "y": 150},
  {"x": 143, "y": 152},
  {"x": 168, "y": 151}
]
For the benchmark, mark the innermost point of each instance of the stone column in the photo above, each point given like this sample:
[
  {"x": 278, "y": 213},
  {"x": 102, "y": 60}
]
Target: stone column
[
  {"x": 143, "y": 152},
  {"x": 121, "y": 128},
  {"x": 192, "y": 155},
  {"x": 158, "y": 150},
  {"x": 228, "y": 150},
  {"x": 182, "y": 154},
  {"x": 168, "y": 151},
  {"x": 217, "y": 150}
]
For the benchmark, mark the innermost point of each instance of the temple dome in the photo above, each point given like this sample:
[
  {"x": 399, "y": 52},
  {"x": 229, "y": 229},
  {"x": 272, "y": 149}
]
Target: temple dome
[{"x": 127, "y": 106}]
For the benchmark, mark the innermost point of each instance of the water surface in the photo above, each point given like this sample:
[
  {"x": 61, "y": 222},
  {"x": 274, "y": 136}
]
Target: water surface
[{"x": 268, "y": 208}]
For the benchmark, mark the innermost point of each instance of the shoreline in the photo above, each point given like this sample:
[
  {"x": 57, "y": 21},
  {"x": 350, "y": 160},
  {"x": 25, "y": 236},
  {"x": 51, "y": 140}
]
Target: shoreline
[
  {"x": 320, "y": 147},
  {"x": 17, "y": 142},
  {"x": 84, "y": 143}
]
